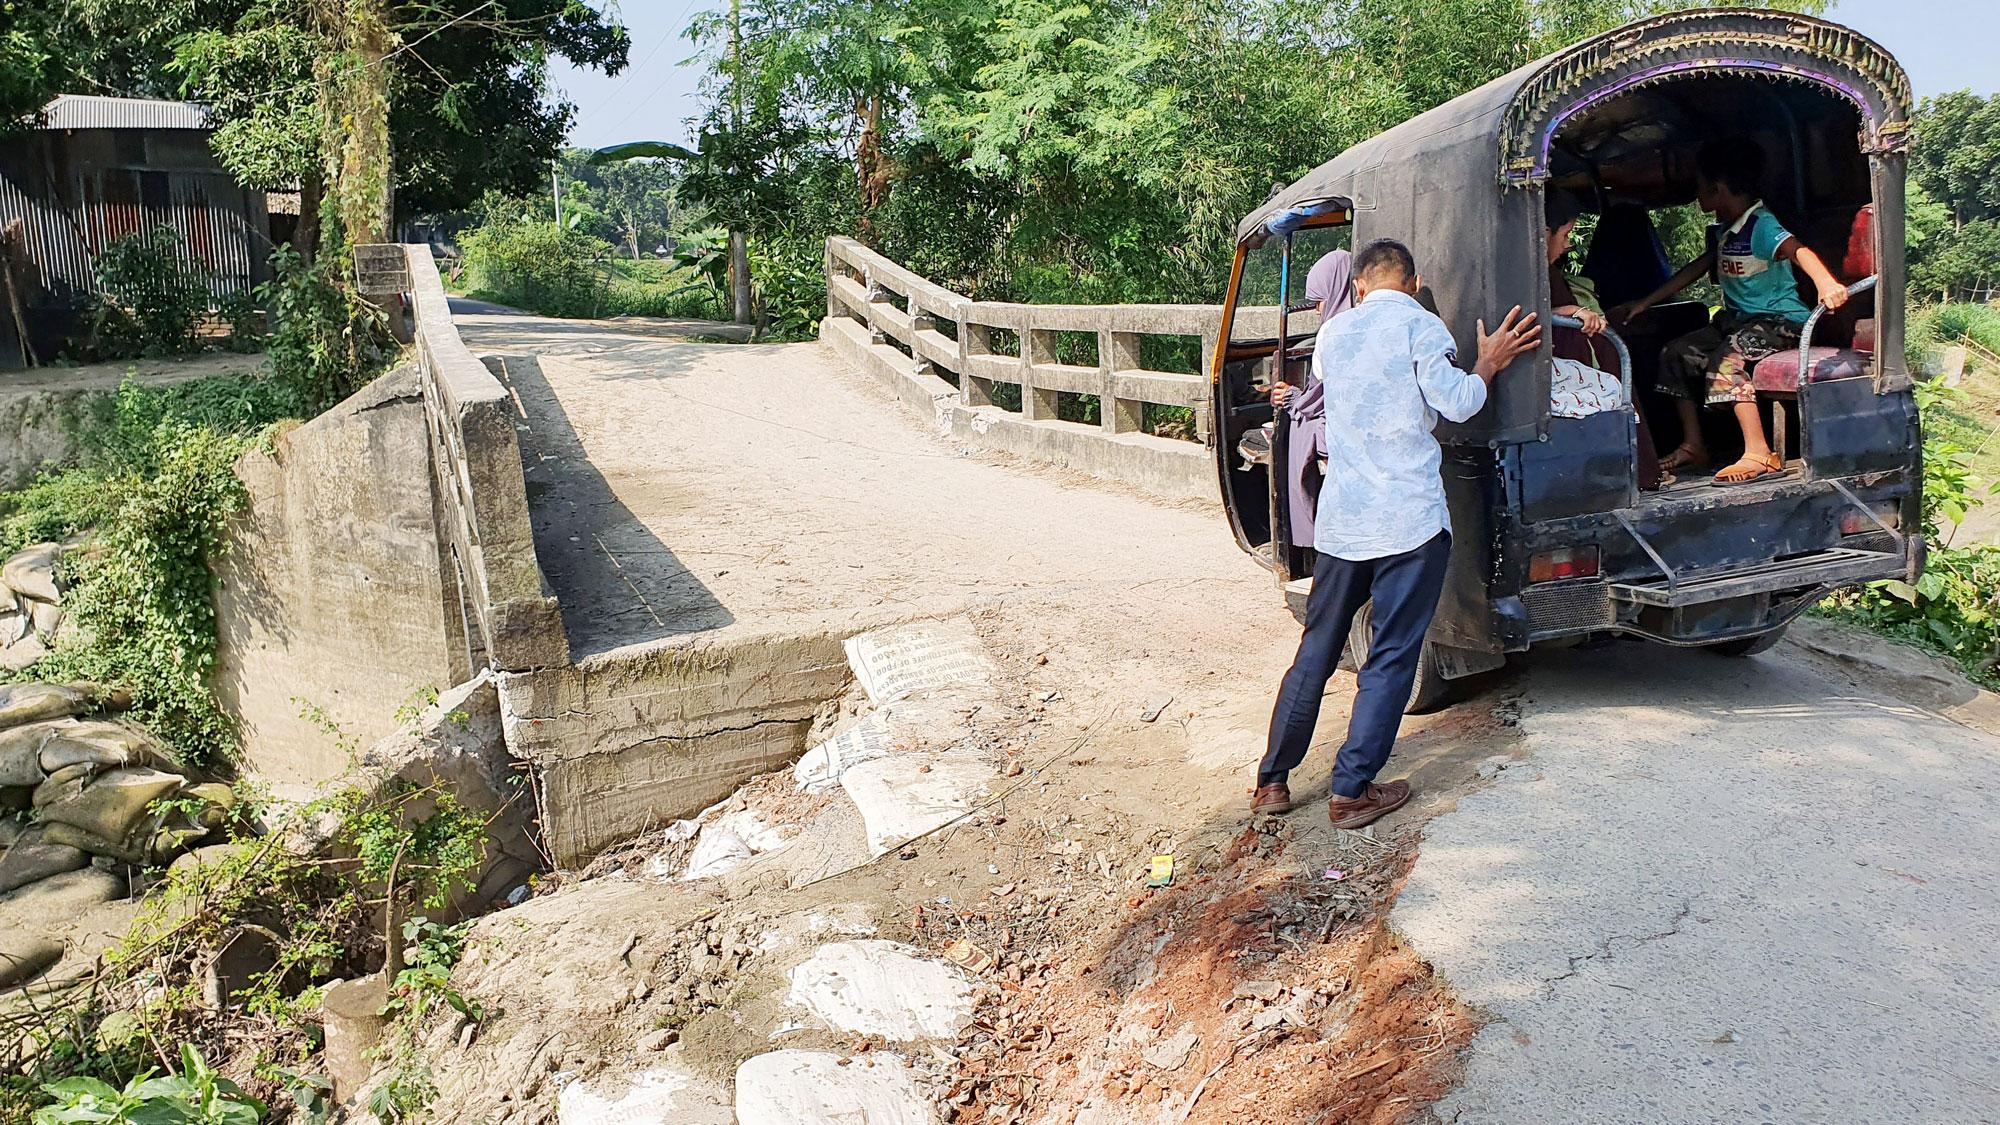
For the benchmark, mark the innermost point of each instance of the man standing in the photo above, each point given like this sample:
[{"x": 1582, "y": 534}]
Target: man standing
[{"x": 1390, "y": 370}]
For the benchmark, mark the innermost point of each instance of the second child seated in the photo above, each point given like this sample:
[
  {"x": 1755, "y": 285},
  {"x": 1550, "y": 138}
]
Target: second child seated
[{"x": 1761, "y": 314}]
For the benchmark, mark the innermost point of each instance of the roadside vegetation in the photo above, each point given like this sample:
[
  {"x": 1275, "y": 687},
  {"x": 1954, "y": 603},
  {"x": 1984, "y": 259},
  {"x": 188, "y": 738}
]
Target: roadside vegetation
[{"x": 554, "y": 271}]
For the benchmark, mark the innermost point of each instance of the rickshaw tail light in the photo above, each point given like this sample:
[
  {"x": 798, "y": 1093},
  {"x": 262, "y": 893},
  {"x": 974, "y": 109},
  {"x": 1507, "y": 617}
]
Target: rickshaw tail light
[
  {"x": 1854, "y": 521},
  {"x": 1557, "y": 566}
]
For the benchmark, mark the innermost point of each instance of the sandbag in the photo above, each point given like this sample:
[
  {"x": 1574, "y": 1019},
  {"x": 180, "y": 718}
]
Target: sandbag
[
  {"x": 114, "y": 803},
  {"x": 102, "y": 743},
  {"x": 34, "y": 702},
  {"x": 21, "y": 752},
  {"x": 32, "y": 572}
]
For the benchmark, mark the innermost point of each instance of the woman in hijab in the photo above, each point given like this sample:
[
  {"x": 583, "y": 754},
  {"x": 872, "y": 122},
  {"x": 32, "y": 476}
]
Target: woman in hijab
[
  {"x": 1330, "y": 285},
  {"x": 1583, "y": 381}
]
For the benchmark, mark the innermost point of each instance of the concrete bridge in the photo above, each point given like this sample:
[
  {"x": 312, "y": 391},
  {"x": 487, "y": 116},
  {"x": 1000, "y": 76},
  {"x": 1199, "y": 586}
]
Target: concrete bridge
[{"x": 1695, "y": 889}]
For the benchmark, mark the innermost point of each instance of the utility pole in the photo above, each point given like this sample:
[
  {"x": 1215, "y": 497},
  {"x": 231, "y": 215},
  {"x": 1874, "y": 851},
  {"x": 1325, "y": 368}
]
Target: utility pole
[
  {"x": 555, "y": 188},
  {"x": 739, "y": 241}
]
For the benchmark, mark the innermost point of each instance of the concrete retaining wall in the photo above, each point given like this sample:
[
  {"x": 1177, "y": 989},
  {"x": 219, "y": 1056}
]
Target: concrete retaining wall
[
  {"x": 635, "y": 738},
  {"x": 333, "y": 593}
]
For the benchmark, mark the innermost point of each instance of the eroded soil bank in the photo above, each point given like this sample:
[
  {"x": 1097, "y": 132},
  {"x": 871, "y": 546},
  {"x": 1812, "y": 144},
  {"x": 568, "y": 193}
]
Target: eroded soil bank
[{"x": 1012, "y": 965}]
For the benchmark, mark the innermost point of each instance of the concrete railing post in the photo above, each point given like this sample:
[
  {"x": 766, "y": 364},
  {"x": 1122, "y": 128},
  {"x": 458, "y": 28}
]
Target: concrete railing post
[
  {"x": 1038, "y": 346},
  {"x": 973, "y": 340},
  {"x": 1119, "y": 351}
]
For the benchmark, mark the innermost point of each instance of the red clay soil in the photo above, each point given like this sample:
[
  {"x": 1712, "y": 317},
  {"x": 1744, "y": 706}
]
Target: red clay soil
[{"x": 1264, "y": 992}]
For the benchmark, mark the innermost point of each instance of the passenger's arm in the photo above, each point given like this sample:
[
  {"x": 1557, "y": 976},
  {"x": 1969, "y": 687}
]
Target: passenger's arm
[
  {"x": 1448, "y": 388},
  {"x": 1832, "y": 293},
  {"x": 1690, "y": 273}
]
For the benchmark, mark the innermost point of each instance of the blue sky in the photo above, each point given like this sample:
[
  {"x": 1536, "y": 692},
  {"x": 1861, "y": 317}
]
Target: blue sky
[{"x": 1944, "y": 44}]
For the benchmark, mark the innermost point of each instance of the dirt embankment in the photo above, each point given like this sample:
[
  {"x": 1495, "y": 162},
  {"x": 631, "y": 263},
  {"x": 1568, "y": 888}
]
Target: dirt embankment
[{"x": 1260, "y": 985}]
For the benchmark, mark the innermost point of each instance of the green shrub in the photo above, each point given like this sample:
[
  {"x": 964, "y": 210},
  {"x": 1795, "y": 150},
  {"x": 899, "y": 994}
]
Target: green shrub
[
  {"x": 1954, "y": 608},
  {"x": 1943, "y": 325},
  {"x": 789, "y": 276},
  {"x": 152, "y": 296},
  {"x": 156, "y": 490},
  {"x": 327, "y": 343},
  {"x": 537, "y": 266},
  {"x": 196, "y": 1096}
]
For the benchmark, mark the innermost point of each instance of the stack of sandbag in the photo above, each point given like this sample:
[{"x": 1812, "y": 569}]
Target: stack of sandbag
[
  {"x": 30, "y": 605},
  {"x": 98, "y": 786}
]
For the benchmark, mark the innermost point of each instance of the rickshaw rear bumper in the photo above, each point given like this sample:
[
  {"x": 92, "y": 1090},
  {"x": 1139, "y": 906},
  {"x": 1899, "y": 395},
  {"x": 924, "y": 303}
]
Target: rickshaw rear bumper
[{"x": 1717, "y": 606}]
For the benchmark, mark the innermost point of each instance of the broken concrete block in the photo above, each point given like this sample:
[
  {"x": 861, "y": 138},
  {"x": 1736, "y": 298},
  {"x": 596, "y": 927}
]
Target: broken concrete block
[
  {"x": 32, "y": 572},
  {"x": 112, "y": 805},
  {"x": 884, "y": 988},
  {"x": 813, "y": 1088},
  {"x": 33, "y": 858},
  {"x": 65, "y": 784}
]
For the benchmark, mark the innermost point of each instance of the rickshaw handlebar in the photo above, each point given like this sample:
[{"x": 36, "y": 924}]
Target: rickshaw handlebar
[{"x": 1617, "y": 345}]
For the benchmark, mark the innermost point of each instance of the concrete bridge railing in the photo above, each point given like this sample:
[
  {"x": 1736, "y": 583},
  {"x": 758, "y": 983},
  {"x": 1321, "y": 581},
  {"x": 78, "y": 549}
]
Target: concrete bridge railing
[
  {"x": 510, "y": 617},
  {"x": 945, "y": 351}
]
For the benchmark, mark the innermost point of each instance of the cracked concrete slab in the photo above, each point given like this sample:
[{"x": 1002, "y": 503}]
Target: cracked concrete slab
[{"x": 1721, "y": 890}]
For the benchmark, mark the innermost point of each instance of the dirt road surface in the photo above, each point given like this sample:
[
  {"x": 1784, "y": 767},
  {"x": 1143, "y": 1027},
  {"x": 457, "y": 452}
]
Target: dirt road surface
[{"x": 1637, "y": 885}]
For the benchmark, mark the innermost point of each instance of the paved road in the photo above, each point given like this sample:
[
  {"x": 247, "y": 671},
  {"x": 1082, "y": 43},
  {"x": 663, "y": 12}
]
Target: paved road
[{"x": 1722, "y": 891}]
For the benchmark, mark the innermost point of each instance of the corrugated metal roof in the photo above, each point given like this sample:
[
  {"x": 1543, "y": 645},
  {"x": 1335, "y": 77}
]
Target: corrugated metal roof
[{"x": 91, "y": 111}]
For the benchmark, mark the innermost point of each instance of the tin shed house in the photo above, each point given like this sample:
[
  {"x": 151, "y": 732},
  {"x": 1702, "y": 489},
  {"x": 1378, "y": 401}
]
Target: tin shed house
[{"x": 93, "y": 169}]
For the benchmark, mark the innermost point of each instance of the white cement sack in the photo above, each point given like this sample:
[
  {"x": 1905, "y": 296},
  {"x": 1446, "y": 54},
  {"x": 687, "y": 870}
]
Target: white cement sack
[
  {"x": 905, "y": 660},
  {"x": 898, "y": 803},
  {"x": 660, "y": 1096},
  {"x": 819, "y": 769},
  {"x": 812, "y": 1088},
  {"x": 728, "y": 841},
  {"x": 883, "y": 988}
]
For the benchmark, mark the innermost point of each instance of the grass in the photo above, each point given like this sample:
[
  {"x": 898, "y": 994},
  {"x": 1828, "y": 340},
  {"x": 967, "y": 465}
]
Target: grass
[{"x": 621, "y": 287}]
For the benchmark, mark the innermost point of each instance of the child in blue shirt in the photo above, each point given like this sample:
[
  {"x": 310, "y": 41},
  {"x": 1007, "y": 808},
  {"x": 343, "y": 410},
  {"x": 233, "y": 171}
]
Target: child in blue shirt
[{"x": 1761, "y": 315}]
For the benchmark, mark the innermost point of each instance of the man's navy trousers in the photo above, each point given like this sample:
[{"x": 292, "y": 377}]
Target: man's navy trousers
[{"x": 1405, "y": 590}]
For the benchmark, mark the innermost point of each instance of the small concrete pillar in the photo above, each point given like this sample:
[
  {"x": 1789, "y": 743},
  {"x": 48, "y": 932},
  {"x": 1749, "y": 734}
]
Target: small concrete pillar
[
  {"x": 1038, "y": 346},
  {"x": 973, "y": 340},
  {"x": 1119, "y": 351}
]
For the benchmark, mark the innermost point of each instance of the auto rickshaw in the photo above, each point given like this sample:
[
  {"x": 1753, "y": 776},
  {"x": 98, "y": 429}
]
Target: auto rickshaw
[{"x": 1553, "y": 539}]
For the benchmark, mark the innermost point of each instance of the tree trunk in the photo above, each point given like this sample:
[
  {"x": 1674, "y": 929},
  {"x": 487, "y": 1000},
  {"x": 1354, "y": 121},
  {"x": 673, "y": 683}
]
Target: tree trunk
[
  {"x": 312, "y": 191},
  {"x": 739, "y": 276},
  {"x": 361, "y": 120}
]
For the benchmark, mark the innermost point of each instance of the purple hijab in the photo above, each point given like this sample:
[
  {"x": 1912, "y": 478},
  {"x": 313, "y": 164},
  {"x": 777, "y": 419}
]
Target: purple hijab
[{"x": 1330, "y": 285}]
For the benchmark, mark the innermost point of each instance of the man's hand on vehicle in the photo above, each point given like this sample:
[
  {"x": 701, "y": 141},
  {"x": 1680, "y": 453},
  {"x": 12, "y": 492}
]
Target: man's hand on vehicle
[
  {"x": 1833, "y": 294},
  {"x": 1278, "y": 393},
  {"x": 1515, "y": 336}
]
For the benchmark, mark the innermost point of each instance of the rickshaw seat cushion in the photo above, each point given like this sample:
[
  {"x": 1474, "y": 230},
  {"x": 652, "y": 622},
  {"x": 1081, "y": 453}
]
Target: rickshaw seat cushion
[
  {"x": 1779, "y": 373},
  {"x": 1860, "y": 259}
]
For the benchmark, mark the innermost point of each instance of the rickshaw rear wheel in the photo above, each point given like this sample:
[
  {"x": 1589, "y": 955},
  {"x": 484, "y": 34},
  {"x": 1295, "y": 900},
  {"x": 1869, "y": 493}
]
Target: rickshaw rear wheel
[
  {"x": 1748, "y": 646},
  {"x": 1429, "y": 691}
]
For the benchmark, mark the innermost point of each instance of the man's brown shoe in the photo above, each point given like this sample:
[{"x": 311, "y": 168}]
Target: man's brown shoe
[
  {"x": 1375, "y": 802},
  {"x": 1273, "y": 798}
]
